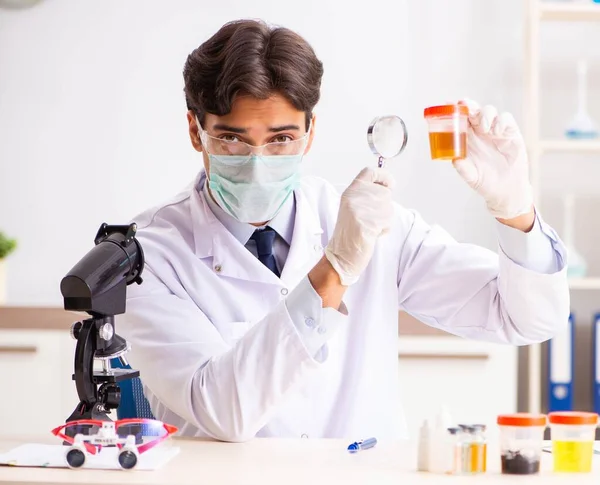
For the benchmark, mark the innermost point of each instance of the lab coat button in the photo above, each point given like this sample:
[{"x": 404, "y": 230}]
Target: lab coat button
[
  {"x": 318, "y": 247},
  {"x": 321, "y": 330},
  {"x": 284, "y": 291},
  {"x": 310, "y": 322},
  {"x": 218, "y": 268}
]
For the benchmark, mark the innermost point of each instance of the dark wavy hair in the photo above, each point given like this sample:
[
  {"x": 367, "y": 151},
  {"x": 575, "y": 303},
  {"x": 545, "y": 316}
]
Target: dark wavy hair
[{"x": 252, "y": 58}]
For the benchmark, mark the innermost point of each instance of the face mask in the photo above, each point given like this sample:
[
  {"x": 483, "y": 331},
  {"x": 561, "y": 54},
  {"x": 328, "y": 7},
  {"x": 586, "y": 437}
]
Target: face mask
[{"x": 253, "y": 190}]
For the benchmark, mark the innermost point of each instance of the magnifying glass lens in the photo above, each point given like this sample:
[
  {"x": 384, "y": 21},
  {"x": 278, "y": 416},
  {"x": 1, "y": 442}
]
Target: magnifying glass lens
[{"x": 387, "y": 137}]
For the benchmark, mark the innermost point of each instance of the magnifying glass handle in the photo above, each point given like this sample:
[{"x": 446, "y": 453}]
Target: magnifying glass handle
[{"x": 381, "y": 162}]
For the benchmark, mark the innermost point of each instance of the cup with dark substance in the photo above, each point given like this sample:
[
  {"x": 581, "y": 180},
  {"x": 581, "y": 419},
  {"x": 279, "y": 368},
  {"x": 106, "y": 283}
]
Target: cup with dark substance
[{"x": 521, "y": 442}]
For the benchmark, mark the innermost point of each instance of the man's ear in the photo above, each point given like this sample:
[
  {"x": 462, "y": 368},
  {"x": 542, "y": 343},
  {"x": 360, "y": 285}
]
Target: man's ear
[
  {"x": 311, "y": 135},
  {"x": 193, "y": 129}
]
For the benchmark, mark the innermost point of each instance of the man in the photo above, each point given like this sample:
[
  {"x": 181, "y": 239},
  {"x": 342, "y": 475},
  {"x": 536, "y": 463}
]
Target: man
[{"x": 270, "y": 303}]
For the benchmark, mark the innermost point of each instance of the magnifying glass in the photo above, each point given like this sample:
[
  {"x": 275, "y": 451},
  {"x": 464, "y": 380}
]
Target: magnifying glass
[{"x": 387, "y": 137}]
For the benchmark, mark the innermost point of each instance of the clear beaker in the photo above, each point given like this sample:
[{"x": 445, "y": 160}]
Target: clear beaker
[
  {"x": 448, "y": 126},
  {"x": 573, "y": 434},
  {"x": 521, "y": 441}
]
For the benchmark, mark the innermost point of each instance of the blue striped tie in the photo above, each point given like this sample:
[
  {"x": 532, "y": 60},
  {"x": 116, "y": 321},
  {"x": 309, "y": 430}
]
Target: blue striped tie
[{"x": 264, "y": 247}]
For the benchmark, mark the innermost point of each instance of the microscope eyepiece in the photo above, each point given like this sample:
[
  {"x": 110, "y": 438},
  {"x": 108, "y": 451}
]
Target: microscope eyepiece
[{"x": 97, "y": 283}]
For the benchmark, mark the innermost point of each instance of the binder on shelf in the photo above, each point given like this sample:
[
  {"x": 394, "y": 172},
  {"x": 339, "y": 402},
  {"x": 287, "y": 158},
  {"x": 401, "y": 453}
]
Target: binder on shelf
[
  {"x": 596, "y": 360},
  {"x": 560, "y": 368}
]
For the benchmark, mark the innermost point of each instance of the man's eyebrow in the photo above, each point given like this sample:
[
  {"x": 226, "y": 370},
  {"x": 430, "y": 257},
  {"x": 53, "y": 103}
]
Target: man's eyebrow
[
  {"x": 275, "y": 129},
  {"x": 232, "y": 129},
  {"x": 236, "y": 129}
]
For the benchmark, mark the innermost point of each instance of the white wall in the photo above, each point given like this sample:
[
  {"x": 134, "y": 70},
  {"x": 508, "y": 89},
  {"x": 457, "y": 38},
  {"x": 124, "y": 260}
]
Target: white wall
[{"x": 92, "y": 115}]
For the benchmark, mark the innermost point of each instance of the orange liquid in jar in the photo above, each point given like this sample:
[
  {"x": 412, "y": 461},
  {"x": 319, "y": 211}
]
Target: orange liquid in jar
[{"x": 447, "y": 145}]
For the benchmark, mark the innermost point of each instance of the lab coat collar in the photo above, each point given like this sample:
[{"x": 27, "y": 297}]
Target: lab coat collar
[
  {"x": 283, "y": 222},
  {"x": 240, "y": 230},
  {"x": 232, "y": 259}
]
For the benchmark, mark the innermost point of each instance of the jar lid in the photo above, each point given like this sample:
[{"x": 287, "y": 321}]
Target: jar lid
[
  {"x": 573, "y": 417},
  {"x": 522, "y": 419},
  {"x": 446, "y": 109}
]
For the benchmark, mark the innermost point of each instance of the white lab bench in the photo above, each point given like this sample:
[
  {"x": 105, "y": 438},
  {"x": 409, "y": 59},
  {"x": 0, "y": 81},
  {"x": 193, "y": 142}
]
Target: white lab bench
[{"x": 290, "y": 461}]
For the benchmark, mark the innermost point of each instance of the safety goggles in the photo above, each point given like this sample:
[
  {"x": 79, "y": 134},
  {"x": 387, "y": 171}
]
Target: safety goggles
[
  {"x": 244, "y": 151},
  {"x": 96, "y": 434}
]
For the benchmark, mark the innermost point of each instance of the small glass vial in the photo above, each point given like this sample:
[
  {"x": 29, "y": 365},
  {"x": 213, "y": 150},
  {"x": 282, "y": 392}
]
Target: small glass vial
[
  {"x": 473, "y": 446},
  {"x": 463, "y": 447},
  {"x": 479, "y": 447},
  {"x": 455, "y": 451}
]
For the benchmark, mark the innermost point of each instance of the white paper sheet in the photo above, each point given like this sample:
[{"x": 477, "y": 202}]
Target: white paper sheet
[{"x": 38, "y": 455}]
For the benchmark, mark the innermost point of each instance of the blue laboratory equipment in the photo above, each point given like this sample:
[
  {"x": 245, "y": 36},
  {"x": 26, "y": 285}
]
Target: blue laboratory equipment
[
  {"x": 362, "y": 445},
  {"x": 582, "y": 126}
]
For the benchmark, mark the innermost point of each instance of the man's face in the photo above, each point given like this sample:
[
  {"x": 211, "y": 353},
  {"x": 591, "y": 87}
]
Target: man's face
[{"x": 254, "y": 121}]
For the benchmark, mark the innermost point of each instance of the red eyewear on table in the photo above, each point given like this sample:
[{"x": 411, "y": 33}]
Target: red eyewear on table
[{"x": 131, "y": 436}]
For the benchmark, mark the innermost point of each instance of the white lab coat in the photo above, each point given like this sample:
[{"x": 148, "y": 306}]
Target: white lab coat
[{"x": 219, "y": 355}]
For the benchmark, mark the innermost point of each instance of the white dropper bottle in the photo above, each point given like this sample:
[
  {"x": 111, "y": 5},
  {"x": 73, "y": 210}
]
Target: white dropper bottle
[
  {"x": 423, "y": 448},
  {"x": 440, "y": 454}
]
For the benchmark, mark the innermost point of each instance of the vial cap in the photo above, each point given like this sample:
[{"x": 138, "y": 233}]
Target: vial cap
[
  {"x": 522, "y": 419},
  {"x": 446, "y": 110},
  {"x": 572, "y": 417}
]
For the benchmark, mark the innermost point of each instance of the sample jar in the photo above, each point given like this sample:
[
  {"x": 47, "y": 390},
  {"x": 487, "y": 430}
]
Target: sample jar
[
  {"x": 573, "y": 434},
  {"x": 521, "y": 442},
  {"x": 447, "y": 131}
]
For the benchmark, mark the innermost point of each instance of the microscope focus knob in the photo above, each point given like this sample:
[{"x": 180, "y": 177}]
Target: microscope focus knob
[
  {"x": 75, "y": 328},
  {"x": 106, "y": 331}
]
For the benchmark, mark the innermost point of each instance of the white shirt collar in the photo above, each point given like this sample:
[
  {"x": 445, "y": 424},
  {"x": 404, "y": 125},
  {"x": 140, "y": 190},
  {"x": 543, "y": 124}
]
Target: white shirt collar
[{"x": 282, "y": 223}]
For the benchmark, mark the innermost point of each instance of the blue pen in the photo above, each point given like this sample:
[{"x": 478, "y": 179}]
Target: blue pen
[{"x": 362, "y": 445}]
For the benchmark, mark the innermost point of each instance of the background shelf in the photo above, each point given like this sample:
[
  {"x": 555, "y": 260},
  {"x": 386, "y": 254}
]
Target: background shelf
[
  {"x": 584, "y": 283},
  {"x": 536, "y": 13},
  {"x": 573, "y": 146},
  {"x": 570, "y": 12}
]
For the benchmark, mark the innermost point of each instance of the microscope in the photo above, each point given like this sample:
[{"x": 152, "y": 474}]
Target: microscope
[{"x": 97, "y": 285}]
